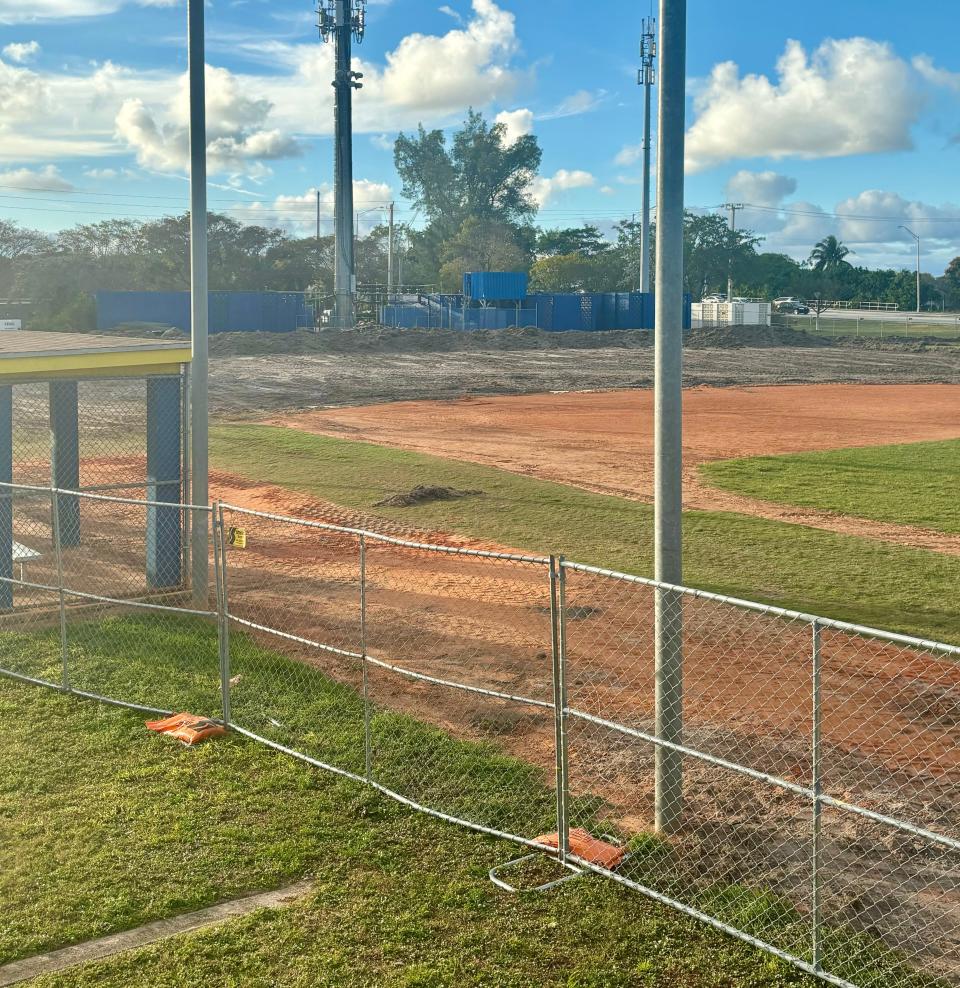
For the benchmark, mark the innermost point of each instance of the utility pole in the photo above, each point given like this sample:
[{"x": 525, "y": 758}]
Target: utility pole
[
  {"x": 199, "y": 313},
  {"x": 318, "y": 216},
  {"x": 647, "y": 79},
  {"x": 916, "y": 236},
  {"x": 390, "y": 254},
  {"x": 733, "y": 207},
  {"x": 343, "y": 20},
  {"x": 668, "y": 416}
]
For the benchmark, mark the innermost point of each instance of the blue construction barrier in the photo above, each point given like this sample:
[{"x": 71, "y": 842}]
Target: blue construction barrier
[
  {"x": 553, "y": 312},
  {"x": 229, "y": 312}
]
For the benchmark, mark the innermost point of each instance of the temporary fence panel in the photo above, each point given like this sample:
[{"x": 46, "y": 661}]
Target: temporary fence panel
[
  {"x": 295, "y": 668},
  {"x": 820, "y": 794},
  {"x": 459, "y": 675},
  {"x": 817, "y": 794}
]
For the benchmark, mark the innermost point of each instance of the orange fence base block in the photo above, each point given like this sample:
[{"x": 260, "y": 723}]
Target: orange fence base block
[
  {"x": 588, "y": 848},
  {"x": 187, "y": 728}
]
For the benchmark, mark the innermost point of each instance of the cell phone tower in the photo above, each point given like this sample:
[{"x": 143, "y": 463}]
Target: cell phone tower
[
  {"x": 646, "y": 77},
  {"x": 343, "y": 21}
]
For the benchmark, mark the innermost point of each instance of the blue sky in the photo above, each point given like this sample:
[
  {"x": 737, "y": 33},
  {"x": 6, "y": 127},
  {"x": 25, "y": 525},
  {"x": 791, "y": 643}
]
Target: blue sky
[{"x": 801, "y": 111}]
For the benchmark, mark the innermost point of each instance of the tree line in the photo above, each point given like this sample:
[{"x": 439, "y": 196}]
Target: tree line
[{"x": 473, "y": 196}]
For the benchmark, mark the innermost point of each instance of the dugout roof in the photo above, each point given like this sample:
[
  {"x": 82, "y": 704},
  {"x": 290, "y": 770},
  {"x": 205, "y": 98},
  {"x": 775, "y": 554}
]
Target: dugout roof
[{"x": 32, "y": 356}]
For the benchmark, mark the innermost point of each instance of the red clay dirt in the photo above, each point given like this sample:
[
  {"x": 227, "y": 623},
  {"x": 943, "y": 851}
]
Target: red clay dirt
[{"x": 603, "y": 441}]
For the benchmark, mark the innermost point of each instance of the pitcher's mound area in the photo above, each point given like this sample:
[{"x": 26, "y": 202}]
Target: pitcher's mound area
[{"x": 604, "y": 441}]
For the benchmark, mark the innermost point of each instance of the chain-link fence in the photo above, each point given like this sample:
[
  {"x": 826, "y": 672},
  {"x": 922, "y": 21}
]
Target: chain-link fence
[
  {"x": 798, "y": 786},
  {"x": 101, "y": 429}
]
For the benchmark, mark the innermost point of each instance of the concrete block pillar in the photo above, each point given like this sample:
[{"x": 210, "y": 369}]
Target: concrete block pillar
[
  {"x": 6, "y": 497},
  {"x": 65, "y": 457},
  {"x": 164, "y": 460}
]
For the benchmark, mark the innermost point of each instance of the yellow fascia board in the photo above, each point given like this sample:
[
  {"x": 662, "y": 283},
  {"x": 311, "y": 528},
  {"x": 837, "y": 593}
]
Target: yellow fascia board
[{"x": 131, "y": 363}]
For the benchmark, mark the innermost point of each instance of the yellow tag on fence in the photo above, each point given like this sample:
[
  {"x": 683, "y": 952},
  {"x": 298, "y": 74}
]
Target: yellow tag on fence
[{"x": 237, "y": 537}]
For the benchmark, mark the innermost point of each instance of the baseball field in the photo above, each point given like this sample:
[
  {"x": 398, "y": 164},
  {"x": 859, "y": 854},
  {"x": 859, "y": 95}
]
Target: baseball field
[{"x": 829, "y": 498}]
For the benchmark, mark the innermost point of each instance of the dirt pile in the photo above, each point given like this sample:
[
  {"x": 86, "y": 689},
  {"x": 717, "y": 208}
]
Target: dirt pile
[
  {"x": 424, "y": 494},
  {"x": 736, "y": 337}
]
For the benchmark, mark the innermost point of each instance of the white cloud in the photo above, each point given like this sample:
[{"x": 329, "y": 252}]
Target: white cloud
[
  {"x": 109, "y": 174},
  {"x": 869, "y": 223},
  {"x": 466, "y": 65},
  {"x": 450, "y": 12},
  {"x": 17, "y": 12},
  {"x": 851, "y": 96},
  {"x": 543, "y": 188},
  {"x": 298, "y": 213},
  {"x": 518, "y": 123},
  {"x": 21, "y": 51},
  {"x": 47, "y": 179},
  {"x": 238, "y": 139},
  {"x": 767, "y": 188},
  {"x": 924, "y": 64},
  {"x": 253, "y": 117},
  {"x": 932, "y": 223}
]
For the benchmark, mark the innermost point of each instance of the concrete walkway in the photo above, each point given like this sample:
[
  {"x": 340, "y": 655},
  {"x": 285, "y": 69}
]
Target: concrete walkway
[{"x": 94, "y": 950}]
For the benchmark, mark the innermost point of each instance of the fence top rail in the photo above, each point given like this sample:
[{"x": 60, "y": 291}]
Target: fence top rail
[
  {"x": 893, "y": 637},
  {"x": 90, "y": 496},
  {"x": 389, "y": 539}
]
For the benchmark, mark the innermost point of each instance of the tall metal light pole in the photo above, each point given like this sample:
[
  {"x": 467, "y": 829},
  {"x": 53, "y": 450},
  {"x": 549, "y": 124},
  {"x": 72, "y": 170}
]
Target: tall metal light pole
[
  {"x": 668, "y": 414},
  {"x": 199, "y": 430},
  {"x": 343, "y": 20},
  {"x": 916, "y": 237},
  {"x": 647, "y": 79}
]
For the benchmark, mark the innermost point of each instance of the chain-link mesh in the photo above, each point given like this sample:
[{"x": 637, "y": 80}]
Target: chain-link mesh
[
  {"x": 460, "y": 684},
  {"x": 105, "y": 424},
  {"x": 784, "y": 720},
  {"x": 30, "y": 634},
  {"x": 296, "y": 673},
  {"x": 793, "y": 780}
]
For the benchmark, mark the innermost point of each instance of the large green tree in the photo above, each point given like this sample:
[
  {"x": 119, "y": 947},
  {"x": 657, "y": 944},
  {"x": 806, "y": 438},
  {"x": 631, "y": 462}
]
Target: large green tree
[{"x": 480, "y": 175}]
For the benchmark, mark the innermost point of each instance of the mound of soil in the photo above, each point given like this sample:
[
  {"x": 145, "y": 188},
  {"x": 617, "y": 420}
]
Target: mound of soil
[
  {"x": 424, "y": 494},
  {"x": 735, "y": 337}
]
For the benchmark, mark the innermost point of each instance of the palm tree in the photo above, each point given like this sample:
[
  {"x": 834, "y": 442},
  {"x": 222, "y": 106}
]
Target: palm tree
[{"x": 829, "y": 255}]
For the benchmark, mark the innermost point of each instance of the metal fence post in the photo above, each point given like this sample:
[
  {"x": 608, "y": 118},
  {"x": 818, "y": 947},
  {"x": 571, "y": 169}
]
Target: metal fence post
[
  {"x": 58, "y": 555},
  {"x": 817, "y": 786},
  {"x": 223, "y": 612},
  {"x": 367, "y": 740},
  {"x": 558, "y": 650}
]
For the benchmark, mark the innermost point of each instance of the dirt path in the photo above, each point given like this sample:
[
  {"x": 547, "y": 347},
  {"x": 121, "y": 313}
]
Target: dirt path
[{"x": 604, "y": 441}]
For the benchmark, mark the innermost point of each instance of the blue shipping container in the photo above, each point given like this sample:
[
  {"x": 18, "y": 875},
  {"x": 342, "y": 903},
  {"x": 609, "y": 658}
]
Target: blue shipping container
[
  {"x": 229, "y": 312},
  {"x": 495, "y": 286}
]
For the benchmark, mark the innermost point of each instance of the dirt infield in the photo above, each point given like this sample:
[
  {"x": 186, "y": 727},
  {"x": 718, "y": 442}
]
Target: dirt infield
[{"x": 604, "y": 441}]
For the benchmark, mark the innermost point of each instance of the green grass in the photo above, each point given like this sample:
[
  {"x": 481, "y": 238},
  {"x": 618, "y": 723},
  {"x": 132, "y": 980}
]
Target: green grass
[
  {"x": 104, "y": 826},
  {"x": 912, "y": 484},
  {"x": 789, "y": 565},
  {"x": 894, "y": 325}
]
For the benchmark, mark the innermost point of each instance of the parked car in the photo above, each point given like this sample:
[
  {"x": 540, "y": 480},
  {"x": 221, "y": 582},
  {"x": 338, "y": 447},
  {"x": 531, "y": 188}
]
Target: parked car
[
  {"x": 790, "y": 306},
  {"x": 714, "y": 299}
]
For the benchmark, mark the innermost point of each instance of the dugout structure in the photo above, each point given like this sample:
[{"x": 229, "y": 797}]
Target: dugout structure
[{"x": 96, "y": 414}]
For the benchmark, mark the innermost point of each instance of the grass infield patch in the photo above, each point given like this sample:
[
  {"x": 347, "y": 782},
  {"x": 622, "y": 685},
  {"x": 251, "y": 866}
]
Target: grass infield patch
[
  {"x": 807, "y": 569},
  {"x": 909, "y": 484}
]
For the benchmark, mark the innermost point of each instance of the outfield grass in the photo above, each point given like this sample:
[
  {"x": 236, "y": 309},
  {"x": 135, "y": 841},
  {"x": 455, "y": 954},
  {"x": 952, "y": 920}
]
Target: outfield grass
[
  {"x": 105, "y": 827},
  {"x": 838, "y": 576},
  {"x": 911, "y": 484}
]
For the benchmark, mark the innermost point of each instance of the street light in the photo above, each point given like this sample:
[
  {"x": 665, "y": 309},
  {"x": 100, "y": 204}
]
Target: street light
[{"x": 917, "y": 238}]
